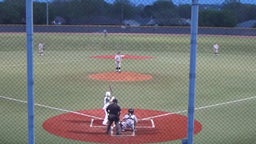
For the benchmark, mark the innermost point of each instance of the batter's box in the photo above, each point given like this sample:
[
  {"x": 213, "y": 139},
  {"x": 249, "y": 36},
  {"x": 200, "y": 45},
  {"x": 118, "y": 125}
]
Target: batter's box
[
  {"x": 97, "y": 123},
  {"x": 149, "y": 123},
  {"x": 124, "y": 134},
  {"x": 142, "y": 124}
]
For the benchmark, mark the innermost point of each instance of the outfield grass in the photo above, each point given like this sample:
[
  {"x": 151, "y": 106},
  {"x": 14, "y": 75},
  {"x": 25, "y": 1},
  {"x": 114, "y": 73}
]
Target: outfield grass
[{"x": 225, "y": 84}]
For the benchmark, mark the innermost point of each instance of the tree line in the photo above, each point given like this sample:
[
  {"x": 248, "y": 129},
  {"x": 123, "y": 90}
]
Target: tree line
[{"x": 164, "y": 12}]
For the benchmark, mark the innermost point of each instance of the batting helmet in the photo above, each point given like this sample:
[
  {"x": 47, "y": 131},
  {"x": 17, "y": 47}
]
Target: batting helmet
[
  {"x": 131, "y": 110},
  {"x": 108, "y": 94}
]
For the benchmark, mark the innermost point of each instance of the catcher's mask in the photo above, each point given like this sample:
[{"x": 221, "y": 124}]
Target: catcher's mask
[{"x": 114, "y": 101}]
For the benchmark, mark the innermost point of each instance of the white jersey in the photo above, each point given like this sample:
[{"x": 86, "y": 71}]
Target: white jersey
[
  {"x": 216, "y": 49},
  {"x": 118, "y": 58},
  {"x": 105, "y": 32},
  {"x": 130, "y": 119},
  {"x": 216, "y": 46},
  {"x": 106, "y": 102},
  {"x": 40, "y": 46}
]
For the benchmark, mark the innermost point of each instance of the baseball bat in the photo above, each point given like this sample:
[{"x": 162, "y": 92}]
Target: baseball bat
[{"x": 110, "y": 89}]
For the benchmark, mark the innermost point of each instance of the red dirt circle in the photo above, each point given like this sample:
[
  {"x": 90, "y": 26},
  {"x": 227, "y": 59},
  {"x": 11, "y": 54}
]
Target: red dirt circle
[
  {"x": 120, "y": 77},
  {"x": 86, "y": 126}
]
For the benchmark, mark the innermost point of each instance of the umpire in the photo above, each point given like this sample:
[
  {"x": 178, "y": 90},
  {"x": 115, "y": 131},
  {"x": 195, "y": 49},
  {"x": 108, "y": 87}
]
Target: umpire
[{"x": 114, "y": 111}]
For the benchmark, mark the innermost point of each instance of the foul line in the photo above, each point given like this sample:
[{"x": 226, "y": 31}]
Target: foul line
[
  {"x": 203, "y": 107},
  {"x": 49, "y": 107},
  {"x": 147, "y": 118}
]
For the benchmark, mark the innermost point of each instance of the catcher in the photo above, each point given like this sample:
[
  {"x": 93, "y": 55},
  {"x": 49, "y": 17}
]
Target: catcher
[{"x": 129, "y": 120}]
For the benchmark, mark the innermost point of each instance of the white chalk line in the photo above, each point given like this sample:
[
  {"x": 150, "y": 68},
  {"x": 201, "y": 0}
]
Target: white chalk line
[
  {"x": 147, "y": 118},
  {"x": 49, "y": 107},
  {"x": 203, "y": 107}
]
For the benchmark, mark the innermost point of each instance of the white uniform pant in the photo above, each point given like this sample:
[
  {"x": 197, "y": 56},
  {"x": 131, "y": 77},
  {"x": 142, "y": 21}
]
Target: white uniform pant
[
  {"x": 105, "y": 121},
  {"x": 128, "y": 124}
]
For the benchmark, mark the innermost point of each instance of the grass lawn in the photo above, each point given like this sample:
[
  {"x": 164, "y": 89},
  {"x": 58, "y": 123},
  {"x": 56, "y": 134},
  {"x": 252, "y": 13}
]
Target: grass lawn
[{"x": 225, "y": 84}]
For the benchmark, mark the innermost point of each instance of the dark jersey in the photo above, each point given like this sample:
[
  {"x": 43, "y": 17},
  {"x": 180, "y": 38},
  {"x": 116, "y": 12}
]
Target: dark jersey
[
  {"x": 114, "y": 112},
  {"x": 114, "y": 109}
]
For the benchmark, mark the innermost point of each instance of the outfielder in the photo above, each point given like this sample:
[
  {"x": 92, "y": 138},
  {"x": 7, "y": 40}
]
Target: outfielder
[
  {"x": 118, "y": 59},
  {"x": 129, "y": 120},
  {"x": 216, "y": 49},
  {"x": 41, "y": 49},
  {"x": 107, "y": 99},
  {"x": 105, "y": 32}
]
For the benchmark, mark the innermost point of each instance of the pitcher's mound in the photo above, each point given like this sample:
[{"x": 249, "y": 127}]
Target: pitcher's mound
[
  {"x": 126, "y": 56},
  {"x": 122, "y": 76}
]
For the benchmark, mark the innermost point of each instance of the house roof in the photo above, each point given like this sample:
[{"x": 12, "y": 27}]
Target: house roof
[{"x": 247, "y": 24}]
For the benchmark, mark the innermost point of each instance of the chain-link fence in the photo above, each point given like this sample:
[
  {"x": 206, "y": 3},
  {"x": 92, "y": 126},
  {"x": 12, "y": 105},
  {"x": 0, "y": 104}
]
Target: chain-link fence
[{"x": 76, "y": 48}]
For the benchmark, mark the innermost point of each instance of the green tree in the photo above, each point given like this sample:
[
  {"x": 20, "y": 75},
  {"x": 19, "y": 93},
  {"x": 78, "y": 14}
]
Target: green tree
[
  {"x": 236, "y": 9},
  {"x": 242, "y": 12},
  {"x": 90, "y": 7},
  {"x": 1, "y": 12},
  {"x": 122, "y": 9},
  {"x": 164, "y": 11},
  {"x": 78, "y": 9},
  {"x": 39, "y": 13},
  {"x": 214, "y": 18},
  {"x": 184, "y": 11},
  {"x": 13, "y": 12},
  {"x": 147, "y": 11}
]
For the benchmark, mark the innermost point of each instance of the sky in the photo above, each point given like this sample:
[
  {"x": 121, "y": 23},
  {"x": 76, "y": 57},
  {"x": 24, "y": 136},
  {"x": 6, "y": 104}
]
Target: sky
[{"x": 177, "y": 2}]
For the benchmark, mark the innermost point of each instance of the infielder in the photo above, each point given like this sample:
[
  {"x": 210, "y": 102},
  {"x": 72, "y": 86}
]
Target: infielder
[
  {"x": 129, "y": 120},
  {"x": 216, "y": 49},
  {"x": 106, "y": 102},
  {"x": 118, "y": 59},
  {"x": 41, "y": 49}
]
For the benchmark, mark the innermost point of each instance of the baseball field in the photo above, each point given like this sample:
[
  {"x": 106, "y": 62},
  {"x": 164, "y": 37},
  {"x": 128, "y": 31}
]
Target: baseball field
[{"x": 70, "y": 81}]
